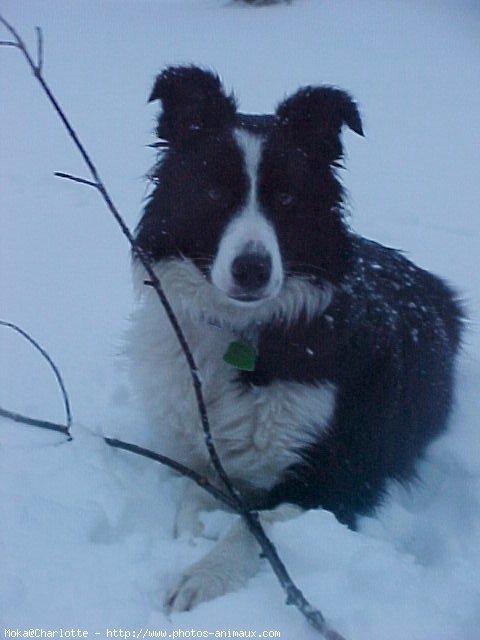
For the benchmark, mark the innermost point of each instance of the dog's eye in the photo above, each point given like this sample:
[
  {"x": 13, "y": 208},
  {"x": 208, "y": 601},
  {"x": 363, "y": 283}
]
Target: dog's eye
[
  {"x": 285, "y": 198},
  {"x": 215, "y": 194}
]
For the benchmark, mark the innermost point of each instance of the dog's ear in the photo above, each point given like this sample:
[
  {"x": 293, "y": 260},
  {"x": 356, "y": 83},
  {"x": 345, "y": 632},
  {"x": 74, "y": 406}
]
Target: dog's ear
[
  {"x": 313, "y": 118},
  {"x": 193, "y": 101}
]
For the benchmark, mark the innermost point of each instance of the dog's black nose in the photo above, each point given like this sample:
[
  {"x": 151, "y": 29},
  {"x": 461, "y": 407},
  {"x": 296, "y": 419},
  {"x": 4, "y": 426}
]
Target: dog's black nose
[{"x": 251, "y": 271}]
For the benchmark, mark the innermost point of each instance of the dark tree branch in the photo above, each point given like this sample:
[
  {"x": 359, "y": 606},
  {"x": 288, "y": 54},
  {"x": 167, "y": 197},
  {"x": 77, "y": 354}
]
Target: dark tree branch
[
  {"x": 202, "y": 481},
  {"x": 39, "y": 49},
  {"x": 34, "y": 422},
  {"x": 294, "y": 595},
  {"x": 55, "y": 370},
  {"x": 68, "y": 176}
]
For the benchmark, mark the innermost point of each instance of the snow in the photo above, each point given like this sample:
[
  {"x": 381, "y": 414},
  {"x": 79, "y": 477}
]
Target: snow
[{"x": 86, "y": 531}]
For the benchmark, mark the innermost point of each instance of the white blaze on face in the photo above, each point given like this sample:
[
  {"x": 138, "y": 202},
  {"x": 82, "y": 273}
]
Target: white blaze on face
[{"x": 249, "y": 234}]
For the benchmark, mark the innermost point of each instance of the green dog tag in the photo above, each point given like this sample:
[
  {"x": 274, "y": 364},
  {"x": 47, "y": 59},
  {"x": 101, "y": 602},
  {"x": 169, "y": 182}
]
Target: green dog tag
[{"x": 241, "y": 356}]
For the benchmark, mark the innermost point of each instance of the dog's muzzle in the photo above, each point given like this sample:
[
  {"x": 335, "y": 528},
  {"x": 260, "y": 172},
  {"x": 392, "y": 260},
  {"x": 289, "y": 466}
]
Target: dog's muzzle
[{"x": 251, "y": 273}]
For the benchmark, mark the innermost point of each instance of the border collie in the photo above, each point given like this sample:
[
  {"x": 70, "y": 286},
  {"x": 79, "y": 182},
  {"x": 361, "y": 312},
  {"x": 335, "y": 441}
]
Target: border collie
[{"x": 354, "y": 345}]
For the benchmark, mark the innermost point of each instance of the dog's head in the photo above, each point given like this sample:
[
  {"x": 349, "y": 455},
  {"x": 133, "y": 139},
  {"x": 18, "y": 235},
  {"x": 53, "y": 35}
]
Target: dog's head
[{"x": 250, "y": 201}]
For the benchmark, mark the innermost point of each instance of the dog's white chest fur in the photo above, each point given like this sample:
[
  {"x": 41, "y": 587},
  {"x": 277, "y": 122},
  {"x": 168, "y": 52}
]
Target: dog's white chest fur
[{"x": 258, "y": 431}]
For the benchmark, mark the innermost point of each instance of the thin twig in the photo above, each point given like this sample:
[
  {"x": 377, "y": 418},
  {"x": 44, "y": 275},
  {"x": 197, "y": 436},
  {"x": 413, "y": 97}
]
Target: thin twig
[
  {"x": 54, "y": 368},
  {"x": 294, "y": 595},
  {"x": 68, "y": 176},
  {"x": 202, "y": 481},
  {"x": 39, "y": 49},
  {"x": 34, "y": 422}
]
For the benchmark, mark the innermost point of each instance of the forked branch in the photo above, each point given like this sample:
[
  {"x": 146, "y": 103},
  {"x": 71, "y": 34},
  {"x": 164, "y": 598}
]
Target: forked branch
[
  {"x": 232, "y": 498},
  {"x": 99, "y": 185}
]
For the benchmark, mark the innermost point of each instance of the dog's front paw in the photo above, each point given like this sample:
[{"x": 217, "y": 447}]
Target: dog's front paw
[
  {"x": 188, "y": 524},
  {"x": 194, "y": 586},
  {"x": 227, "y": 567}
]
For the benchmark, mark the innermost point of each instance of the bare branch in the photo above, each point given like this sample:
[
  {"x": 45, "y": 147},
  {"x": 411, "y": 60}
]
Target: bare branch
[
  {"x": 144, "y": 259},
  {"x": 53, "y": 366},
  {"x": 39, "y": 49},
  {"x": 7, "y": 43},
  {"x": 294, "y": 595},
  {"x": 68, "y": 176},
  {"x": 202, "y": 481},
  {"x": 35, "y": 422},
  {"x": 18, "y": 42}
]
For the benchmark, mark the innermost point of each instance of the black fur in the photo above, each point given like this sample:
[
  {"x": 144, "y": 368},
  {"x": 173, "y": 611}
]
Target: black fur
[
  {"x": 388, "y": 341},
  {"x": 313, "y": 117},
  {"x": 194, "y": 104},
  {"x": 389, "y": 337}
]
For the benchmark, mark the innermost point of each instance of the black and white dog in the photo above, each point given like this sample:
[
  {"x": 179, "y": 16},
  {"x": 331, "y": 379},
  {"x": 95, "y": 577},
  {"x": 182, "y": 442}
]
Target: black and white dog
[{"x": 354, "y": 344}]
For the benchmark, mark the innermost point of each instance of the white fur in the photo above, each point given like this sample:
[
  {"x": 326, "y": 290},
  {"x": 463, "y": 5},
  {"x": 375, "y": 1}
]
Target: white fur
[
  {"x": 194, "y": 297},
  {"x": 192, "y": 502},
  {"x": 227, "y": 567},
  {"x": 248, "y": 229},
  {"x": 258, "y": 432}
]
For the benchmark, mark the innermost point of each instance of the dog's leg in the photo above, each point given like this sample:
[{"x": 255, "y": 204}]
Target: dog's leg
[
  {"x": 193, "y": 501},
  {"x": 228, "y": 566}
]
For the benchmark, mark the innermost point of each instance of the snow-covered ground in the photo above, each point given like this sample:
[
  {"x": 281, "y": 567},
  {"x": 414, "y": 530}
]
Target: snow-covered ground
[{"x": 86, "y": 531}]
